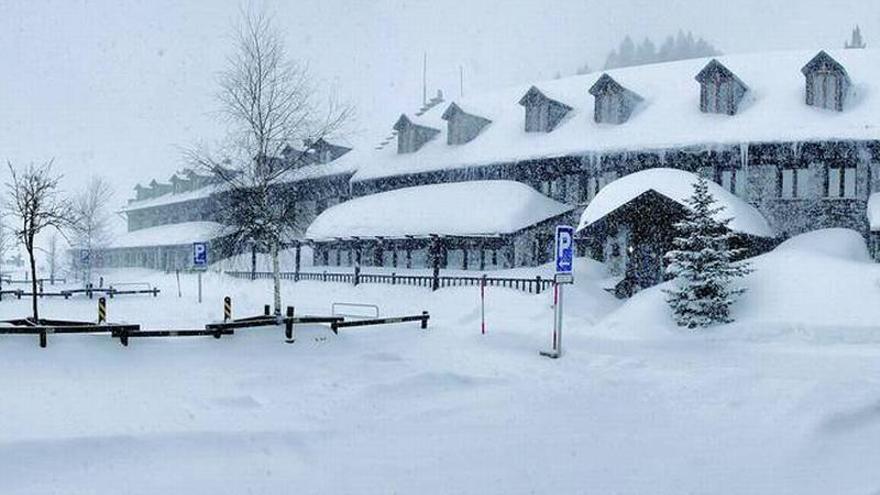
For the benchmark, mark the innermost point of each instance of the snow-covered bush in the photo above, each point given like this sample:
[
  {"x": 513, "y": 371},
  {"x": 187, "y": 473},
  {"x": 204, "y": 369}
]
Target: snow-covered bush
[{"x": 702, "y": 264}]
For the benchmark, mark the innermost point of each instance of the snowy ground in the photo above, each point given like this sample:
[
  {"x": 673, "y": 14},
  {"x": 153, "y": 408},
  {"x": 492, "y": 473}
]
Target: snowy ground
[{"x": 787, "y": 400}]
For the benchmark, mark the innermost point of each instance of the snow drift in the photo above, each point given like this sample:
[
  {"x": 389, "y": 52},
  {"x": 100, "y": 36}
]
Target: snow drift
[{"x": 821, "y": 284}]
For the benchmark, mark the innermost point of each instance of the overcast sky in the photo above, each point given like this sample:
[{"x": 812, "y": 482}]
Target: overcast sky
[{"x": 116, "y": 87}]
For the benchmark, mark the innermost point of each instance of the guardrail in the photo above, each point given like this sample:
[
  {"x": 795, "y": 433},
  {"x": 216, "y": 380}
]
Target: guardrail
[
  {"x": 531, "y": 285},
  {"x": 422, "y": 318}
]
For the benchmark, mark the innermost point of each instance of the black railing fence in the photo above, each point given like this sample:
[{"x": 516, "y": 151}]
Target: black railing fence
[{"x": 435, "y": 281}]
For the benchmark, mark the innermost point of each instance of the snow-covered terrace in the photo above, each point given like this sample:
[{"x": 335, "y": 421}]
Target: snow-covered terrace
[
  {"x": 175, "y": 234},
  {"x": 676, "y": 185},
  {"x": 477, "y": 208},
  {"x": 772, "y": 111}
]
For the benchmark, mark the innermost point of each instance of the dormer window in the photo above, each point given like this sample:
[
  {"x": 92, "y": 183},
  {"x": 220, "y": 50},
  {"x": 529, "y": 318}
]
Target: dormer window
[
  {"x": 720, "y": 90},
  {"x": 614, "y": 103},
  {"x": 412, "y": 136},
  {"x": 324, "y": 151},
  {"x": 827, "y": 83},
  {"x": 462, "y": 127},
  {"x": 543, "y": 114}
]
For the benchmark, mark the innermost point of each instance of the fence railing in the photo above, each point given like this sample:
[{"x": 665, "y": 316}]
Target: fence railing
[{"x": 436, "y": 281}]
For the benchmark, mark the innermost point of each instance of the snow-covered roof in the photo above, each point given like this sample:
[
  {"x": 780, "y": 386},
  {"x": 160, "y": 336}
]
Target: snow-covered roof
[
  {"x": 676, "y": 185},
  {"x": 874, "y": 212},
  {"x": 169, "y": 198},
  {"x": 345, "y": 164},
  {"x": 772, "y": 111},
  {"x": 459, "y": 208},
  {"x": 169, "y": 235}
]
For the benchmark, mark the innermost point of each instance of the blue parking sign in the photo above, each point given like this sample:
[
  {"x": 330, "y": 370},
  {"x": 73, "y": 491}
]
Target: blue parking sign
[
  {"x": 564, "y": 252},
  {"x": 200, "y": 254}
]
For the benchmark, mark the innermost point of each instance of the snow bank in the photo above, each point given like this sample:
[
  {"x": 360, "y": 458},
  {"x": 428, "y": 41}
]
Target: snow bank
[
  {"x": 460, "y": 208},
  {"x": 820, "y": 285},
  {"x": 169, "y": 235},
  {"x": 838, "y": 243},
  {"x": 676, "y": 185},
  {"x": 668, "y": 117}
]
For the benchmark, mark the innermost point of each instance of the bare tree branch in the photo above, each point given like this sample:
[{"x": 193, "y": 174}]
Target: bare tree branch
[
  {"x": 270, "y": 103},
  {"x": 35, "y": 200}
]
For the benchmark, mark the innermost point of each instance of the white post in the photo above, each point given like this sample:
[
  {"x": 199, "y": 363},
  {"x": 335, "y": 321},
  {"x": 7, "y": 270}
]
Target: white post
[
  {"x": 559, "y": 320},
  {"x": 200, "y": 287}
]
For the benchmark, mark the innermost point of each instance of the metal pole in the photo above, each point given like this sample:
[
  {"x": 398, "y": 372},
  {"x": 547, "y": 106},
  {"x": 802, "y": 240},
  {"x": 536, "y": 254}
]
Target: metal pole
[
  {"x": 200, "y": 287},
  {"x": 559, "y": 321}
]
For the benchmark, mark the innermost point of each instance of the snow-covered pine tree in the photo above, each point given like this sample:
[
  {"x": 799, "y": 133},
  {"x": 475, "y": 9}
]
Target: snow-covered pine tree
[{"x": 702, "y": 264}]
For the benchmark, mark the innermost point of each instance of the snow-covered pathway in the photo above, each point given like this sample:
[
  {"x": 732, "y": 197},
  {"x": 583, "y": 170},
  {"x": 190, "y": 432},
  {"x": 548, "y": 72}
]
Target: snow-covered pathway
[{"x": 400, "y": 410}]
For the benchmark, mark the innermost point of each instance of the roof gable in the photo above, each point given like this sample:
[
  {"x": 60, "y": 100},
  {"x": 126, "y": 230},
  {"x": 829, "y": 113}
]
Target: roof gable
[
  {"x": 716, "y": 70},
  {"x": 536, "y": 95},
  {"x": 606, "y": 84},
  {"x": 824, "y": 62}
]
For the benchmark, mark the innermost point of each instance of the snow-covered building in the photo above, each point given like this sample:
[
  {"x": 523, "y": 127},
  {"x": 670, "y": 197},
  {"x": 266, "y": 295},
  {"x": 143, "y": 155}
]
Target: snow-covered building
[
  {"x": 633, "y": 220},
  {"x": 465, "y": 225},
  {"x": 188, "y": 205},
  {"x": 793, "y": 135}
]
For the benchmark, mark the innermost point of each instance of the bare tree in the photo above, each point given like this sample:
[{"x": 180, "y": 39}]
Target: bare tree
[
  {"x": 36, "y": 202},
  {"x": 269, "y": 102},
  {"x": 91, "y": 219}
]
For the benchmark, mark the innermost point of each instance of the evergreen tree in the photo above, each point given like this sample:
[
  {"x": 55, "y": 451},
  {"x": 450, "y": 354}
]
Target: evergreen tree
[
  {"x": 857, "y": 41},
  {"x": 702, "y": 264},
  {"x": 680, "y": 47},
  {"x": 646, "y": 53}
]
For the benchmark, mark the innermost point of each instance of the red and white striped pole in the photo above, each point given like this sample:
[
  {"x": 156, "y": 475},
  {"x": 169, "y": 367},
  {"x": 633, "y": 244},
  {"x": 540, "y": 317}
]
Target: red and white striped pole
[
  {"x": 555, "y": 319},
  {"x": 483, "y": 306}
]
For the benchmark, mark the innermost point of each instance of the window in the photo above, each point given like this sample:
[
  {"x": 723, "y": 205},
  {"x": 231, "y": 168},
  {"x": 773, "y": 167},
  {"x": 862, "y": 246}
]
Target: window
[
  {"x": 795, "y": 183},
  {"x": 787, "y": 183},
  {"x": 803, "y": 178},
  {"x": 727, "y": 180},
  {"x": 592, "y": 187},
  {"x": 545, "y": 187},
  {"x": 841, "y": 182}
]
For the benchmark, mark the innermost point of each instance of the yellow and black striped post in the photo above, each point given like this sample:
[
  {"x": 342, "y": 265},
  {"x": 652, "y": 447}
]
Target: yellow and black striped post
[
  {"x": 102, "y": 310},
  {"x": 227, "y": 309},
  {"x": 288, "y": 326}
]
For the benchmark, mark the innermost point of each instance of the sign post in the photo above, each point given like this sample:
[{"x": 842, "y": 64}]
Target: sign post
[
  {"x": 483, "y": 305},
  {"x": 564, "y": 256},
  {"x": 200, "y": 262}
]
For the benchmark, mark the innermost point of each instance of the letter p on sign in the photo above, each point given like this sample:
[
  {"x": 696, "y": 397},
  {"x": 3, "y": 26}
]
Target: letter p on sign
[{"x": 564, "y": 249}]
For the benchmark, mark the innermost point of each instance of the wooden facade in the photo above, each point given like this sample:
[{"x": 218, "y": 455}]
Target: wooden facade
[
  {"x": 462, "y": 127},
  {"x": 614, "y": 103},
  {"x": 542, "y": 114},
  {"x": 720, "y": 90},
  {"x": 827, "y": 83},
  {"x": 411, "y": 136}
]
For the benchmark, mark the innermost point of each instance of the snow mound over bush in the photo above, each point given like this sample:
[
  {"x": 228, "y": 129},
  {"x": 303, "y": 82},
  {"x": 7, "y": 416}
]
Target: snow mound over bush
[
  {"x": 820, "y": 285},
  {"x": 839, "y": 243}
]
